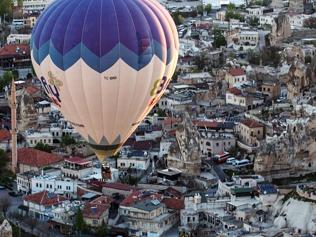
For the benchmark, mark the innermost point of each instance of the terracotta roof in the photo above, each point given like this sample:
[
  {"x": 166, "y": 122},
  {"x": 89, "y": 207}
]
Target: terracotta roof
[
  {"x": 138, "y": 196},
  {"x": 173, "y": 203},
  {"x": 235, "y": 91},
  {"x": 5, "y": 135},
  {"x": 119, "y": 186},
  {"x": 169, "y": 121},
  {"x": 77, "y": 160},
  {"x": 32, "y": 90},
  {"x": 96, "y": 208},
  {"x": 37, "y": 158},
  {"x": 172, "y": 192},
  {"x": 12, "y": 50},
  {"x": 45, "y": 198},
  {"x": 236, "y": 72},
  {"x": 251, "y": 123},
  {"x": 203, "y": 123}
]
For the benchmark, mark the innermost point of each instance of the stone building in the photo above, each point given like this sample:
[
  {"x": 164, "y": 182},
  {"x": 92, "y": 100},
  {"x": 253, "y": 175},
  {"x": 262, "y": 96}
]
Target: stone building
[{"x": 185, "y": 153}]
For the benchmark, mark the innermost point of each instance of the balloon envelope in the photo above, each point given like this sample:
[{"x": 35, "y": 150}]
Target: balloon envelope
[{"x": 105, "y": 64}]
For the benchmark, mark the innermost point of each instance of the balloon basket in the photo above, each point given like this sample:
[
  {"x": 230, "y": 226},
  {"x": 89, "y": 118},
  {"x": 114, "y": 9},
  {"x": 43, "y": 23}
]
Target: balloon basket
[{"x": 105, "y": 171}]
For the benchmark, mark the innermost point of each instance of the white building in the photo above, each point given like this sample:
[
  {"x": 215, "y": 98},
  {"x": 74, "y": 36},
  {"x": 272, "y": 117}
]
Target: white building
[
  {"x": 267, "y": 19},
  {"x": 139, "y": 160},
  {"x": 169, "y": 102},
  {"x": 34, "y": 5},
  {"x": 297, "y": 20},
  {"x": 235, "y": 75},
  {"x": 216, "y": 143},
  {"x": 77, "y": 168},
  {"x": 247, "y": 40},
  {"x": 33, "y": 138},
  {"x": 255, "y": 11},
  {"x": 18, "y": 39},
  {"x": 67, "y": 186},
  {"x": 149, "y": 134},
  {"x": 235, "y": 97}
]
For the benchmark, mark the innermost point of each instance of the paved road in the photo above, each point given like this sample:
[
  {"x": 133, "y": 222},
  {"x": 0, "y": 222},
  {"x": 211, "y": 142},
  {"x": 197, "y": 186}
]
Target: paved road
[{"x": 218, "y": 170}]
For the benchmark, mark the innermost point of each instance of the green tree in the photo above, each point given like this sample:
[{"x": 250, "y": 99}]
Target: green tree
[
  {"x": 178, "y": 18},
  {"x": 254, "y": 57},
  {"x": 43, "y": 147},
  {"x": 3, "y": 160},
  {"x": 308, "y": 59},
  {"x": 15, "y": 74},
  {"x": 6, "y": 79},
  {"x": 67, "y": 140},
  {"x": 219, "y": 38},
  {"x": 6, "y": 8},
  {"x": 200, "y": 9},
  {"x": 102, "y": 231},
  {"x": 20, "y": 3},
  {"x": 231, "y": 7},
  {"x": 254, "y": 21},
  {"x": 208, "y": 8},
  {"x": 79, "y": 222}
]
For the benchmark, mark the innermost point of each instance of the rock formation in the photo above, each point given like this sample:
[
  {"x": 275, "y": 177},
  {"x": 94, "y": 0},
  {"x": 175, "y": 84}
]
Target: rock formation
[
  {"x": 281, "y": 29},
  {"x": 185, "y": 154},
  {"x": 297, "y": 79},
  {"x": 290, "y": 154},
  {"x": 5, "y": 229}
]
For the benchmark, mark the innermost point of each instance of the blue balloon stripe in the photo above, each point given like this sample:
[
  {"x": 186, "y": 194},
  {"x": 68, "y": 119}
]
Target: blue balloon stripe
[{"x": 100, "y": 64}]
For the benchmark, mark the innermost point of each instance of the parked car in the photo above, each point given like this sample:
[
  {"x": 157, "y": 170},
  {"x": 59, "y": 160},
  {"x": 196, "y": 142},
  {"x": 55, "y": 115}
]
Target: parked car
[{"x": 231, "y": 161}]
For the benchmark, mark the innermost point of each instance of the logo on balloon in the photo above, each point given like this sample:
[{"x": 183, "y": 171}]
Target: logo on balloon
[
  {"x": 158, "y": 87},
  {"x": 52, "y": 88}
]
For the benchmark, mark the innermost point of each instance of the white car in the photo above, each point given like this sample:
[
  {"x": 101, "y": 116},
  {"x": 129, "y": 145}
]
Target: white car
[{"x": 231, "y": 161}]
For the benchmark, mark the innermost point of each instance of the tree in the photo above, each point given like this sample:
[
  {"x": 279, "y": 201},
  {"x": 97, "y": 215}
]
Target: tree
[
  {"x": 208, "y": 8},
  {"x": 271, "y": 56},
  {"x": 254, "y": 21},
  {"x": 308, "y": 59},
  {"x": 254, "y": 57},
  {"x": 5, "y": 8},
  {"x": 15, "y": 74},
  {"x": 43, "y": 147},
  {"x": 79, "y": 222},
  {"x": 178, "y": 18},
  {"x": 102, "y": 231},
  {"x": 5, "y": 203},
  {"x": 67, "y": 140},
  {"x": 6, "y": 79},
  {"x": 200, "y": 9},
  {"x": 231, "y": 7},
  {"x": 3, "y": 160},
  {"x": 219, "y": 38}
]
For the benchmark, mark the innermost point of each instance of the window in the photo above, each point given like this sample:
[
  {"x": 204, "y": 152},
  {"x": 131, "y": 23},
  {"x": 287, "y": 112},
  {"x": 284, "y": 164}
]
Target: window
[
  {"x": 36, "y": 185},
  {"x": 258, "y": 132},
  {"x": 208, "y": 143},
  {"x": 31, "y": 141},
  {"x": 217, "y": 144}
]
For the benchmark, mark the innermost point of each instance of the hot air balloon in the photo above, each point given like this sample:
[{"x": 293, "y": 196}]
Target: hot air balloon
[{"x": 105, "y": 64}]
